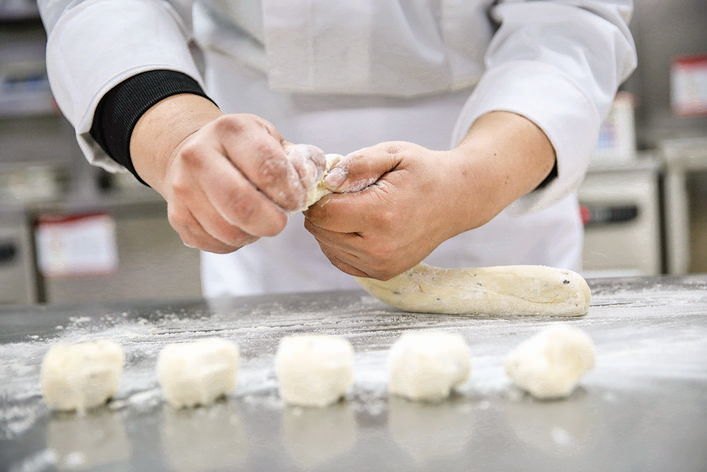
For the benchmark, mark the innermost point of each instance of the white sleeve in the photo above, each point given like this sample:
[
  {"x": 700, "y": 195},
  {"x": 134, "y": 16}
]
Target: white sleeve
[
  {"x": 94, "y": 45},
  {"x": 559, "y": 64}
]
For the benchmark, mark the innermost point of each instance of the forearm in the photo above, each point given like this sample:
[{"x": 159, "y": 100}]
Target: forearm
[
  {"x": 566, "y": 86},
  {"x": 503, "y": 157},
  {"x": 418, "y": 198}
]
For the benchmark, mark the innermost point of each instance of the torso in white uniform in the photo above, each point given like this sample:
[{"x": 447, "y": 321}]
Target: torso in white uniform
[
  {"x": 348, "y": 74},
  {"x": 292, "y": 260}
]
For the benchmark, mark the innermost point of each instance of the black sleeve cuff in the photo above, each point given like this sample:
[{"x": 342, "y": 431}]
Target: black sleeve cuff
[
  {"x": 121, "y": 108},
  {"x": 550, "y": 177}
]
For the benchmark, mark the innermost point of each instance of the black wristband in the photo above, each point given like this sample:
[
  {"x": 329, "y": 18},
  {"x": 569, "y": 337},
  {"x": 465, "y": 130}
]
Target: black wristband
[
  {"x": 550, "y": 177},
  {"x": 120, "y": 109}
]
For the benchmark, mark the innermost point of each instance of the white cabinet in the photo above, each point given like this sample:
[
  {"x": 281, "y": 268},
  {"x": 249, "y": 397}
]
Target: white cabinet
[
  {"x": 623, "y": 234},
  {"x": 682, "y": 157},
  {"x": 17, "y": 280}
]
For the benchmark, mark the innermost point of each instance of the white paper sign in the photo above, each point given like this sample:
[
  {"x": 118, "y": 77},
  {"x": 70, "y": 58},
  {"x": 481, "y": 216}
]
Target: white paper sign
[{"x": 76, "y": 245}]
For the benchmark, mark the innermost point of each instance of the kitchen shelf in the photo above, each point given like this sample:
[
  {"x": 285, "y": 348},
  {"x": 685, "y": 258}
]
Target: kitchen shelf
[
  {"x": 18, "y": 10},
  {"x": 24, "y": 85}
]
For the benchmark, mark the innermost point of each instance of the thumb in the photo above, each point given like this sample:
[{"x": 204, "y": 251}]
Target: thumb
[{"x": 361, "y": 169}]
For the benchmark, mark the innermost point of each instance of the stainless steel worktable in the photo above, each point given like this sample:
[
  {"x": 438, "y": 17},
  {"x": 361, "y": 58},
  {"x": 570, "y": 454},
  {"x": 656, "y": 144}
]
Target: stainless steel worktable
[{"x": 643, "y": 408}]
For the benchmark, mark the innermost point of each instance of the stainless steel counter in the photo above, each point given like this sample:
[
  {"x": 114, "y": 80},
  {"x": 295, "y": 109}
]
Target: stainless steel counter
[{"x": 643, "y": 408}]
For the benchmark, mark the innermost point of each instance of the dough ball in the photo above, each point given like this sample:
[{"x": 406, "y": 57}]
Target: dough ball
[
  {"x": 199, "y": 372},
  {"x": 314, "y": 370},
  {"x": 551, "y": 363},
  {"x": 427, "y": 365},
  {"x": 82, "y": 375}
]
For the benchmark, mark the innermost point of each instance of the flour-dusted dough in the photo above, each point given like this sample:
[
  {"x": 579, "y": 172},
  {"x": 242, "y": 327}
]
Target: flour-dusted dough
[
  {"x": 427, "y": 365},
  {"x": 502, "y": 290},
  {"x": 199, "y": 372},
  {"x": 82, "y": 375},
  {"x": 316, "y": 189},
  {"x": 551, "y": 363},
  {"x": 314, "y": 370}
]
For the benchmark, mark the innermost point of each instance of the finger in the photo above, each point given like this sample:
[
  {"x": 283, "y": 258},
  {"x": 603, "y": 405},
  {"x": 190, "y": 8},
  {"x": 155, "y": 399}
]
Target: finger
[
  {"x": 341, "y": 264},
  {"x": 309, "y": 162},
  {"x": 193, "y": 234},
  {"x": 260, "y": 157},
  {"x": 349, "y": 242},
  {"x": 353, "y": 212},
  {"x": 358, "y": 266},
  {"x": 345, "y": 251},
  {"x": 370, "y": 257},
  {"x": 237, "y": 200},
  {"x": 213, "y": 224},
  {"x": 361, "y": 169}
]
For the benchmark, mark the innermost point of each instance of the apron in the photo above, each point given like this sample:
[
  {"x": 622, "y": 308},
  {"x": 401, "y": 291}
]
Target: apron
[{"x": 292, "y": 261}]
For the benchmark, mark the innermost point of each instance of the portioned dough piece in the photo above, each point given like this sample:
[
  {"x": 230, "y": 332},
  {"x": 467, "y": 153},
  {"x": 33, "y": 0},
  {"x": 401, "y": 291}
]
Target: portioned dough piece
[
  {"x": 199, "y": 372},
  {"x": 82, "y": 375},
  {"x": 314, "y": 370},
  {"x": 502, "y": 290},
  {"x": 551, "y": 363},
  {"x": 427, "y": 365}
]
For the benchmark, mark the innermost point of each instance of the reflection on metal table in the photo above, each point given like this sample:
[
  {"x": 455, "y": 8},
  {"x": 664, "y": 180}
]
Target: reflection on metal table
[{"x": 644, "y": 406}]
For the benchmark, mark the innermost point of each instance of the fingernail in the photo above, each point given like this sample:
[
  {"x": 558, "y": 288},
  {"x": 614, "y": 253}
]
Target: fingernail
[{"x": 335, "y": 178}]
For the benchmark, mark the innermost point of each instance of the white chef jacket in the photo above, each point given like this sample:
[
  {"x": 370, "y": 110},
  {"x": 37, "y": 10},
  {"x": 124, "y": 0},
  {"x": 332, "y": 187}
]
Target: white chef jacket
[{"x": 344, "y": 75}]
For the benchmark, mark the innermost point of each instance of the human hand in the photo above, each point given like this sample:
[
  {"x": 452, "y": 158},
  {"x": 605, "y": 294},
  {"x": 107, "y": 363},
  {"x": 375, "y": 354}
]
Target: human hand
[
  {"x": 398, "y": 201},
  {"x": 227, "y": 179}
]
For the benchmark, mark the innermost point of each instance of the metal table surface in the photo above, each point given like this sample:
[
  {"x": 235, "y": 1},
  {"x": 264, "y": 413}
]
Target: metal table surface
[{"x": 643, "y": 408}]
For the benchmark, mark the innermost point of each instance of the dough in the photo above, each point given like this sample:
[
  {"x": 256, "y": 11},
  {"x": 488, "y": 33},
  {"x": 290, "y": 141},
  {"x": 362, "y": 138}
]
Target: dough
[
  {"x": 427, "y": 365},
  {"x": 551, "y": 363},
  {"x": 82, "y": 375},
  {"x": 199, "y": 372},
  {"x": 316, "y": 190},
  {"x": 314, "y": 370},
  {"x": 502, "y": 290}
]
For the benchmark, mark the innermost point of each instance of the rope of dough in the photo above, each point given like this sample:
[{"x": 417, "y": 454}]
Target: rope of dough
[{"x": 500, "y": 290}]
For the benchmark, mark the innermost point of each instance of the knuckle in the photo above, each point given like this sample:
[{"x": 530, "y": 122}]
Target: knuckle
[
  {"x": 190, "y": 153},
  {"x": 392, "y": 147},
  {"x": 230, "y": 124},
  {"x": 189, "y": 240},
  {"x": 179, "y": 220},
  {"x": 270, "y": 171},
  {"x": 181, "y": 190},
  {"x": 244, "y": 209},
  {"x": 185, "y": 228},
  {"x": 385, "y": 219}
]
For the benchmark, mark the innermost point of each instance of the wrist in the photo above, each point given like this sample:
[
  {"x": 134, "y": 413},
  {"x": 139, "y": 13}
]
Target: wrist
[
  {"x": 163, "y": 128},
  {"x": 122, "y": 106}
]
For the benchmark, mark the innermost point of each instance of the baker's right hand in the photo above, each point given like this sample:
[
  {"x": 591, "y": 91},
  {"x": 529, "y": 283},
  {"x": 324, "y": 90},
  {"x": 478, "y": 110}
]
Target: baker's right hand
[{"x": 226, "y": 178}]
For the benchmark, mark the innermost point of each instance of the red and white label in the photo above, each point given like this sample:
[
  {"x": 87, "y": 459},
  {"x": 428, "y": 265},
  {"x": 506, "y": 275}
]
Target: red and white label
[
  {"x": 688, "y": 85},
  {"x": 76, "y": 245}
]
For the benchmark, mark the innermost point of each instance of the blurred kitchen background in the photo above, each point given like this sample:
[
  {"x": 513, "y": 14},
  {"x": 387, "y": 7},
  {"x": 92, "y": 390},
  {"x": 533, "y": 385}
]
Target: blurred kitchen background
[{"x": 70, "y": 232}]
